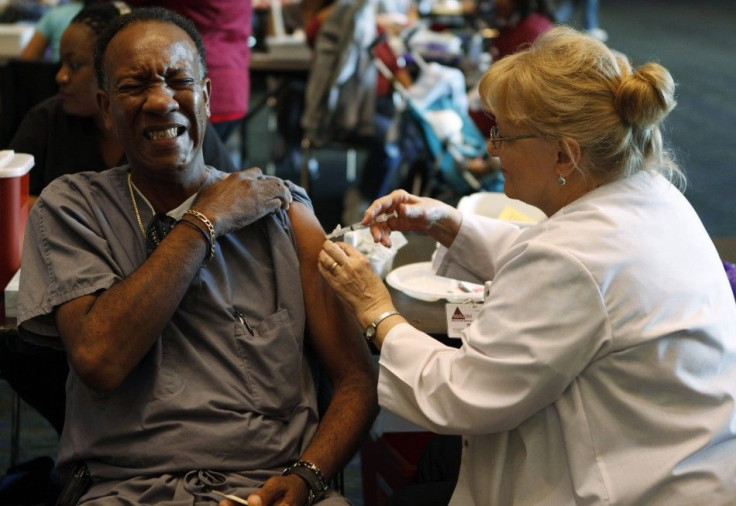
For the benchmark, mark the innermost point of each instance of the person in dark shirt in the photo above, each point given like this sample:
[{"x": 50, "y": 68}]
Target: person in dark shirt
[{"x": 65, "y": 133}]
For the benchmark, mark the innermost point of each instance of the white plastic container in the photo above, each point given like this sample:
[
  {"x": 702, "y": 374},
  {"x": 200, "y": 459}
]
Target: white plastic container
[
  {"x": 11, "y": 296},
  {"x": 14, "y": 37},
  {"x": 498, "y": 205}
]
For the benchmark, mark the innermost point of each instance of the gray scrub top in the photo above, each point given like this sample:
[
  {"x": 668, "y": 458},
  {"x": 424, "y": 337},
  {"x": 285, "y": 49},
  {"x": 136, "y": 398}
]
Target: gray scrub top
[{"x": 213, "y": 392}]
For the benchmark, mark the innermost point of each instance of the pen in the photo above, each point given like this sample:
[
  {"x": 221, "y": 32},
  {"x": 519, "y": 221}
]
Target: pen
[
  {"x": 340, "y": 231},
  {"x": 230, "y": 497}
]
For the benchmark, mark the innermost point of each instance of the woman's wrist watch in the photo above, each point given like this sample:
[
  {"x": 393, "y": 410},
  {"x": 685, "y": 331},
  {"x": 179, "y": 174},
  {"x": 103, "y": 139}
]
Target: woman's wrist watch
[
  {"x": 370, "y": 331},
  {"x": 313, "y": 477}
]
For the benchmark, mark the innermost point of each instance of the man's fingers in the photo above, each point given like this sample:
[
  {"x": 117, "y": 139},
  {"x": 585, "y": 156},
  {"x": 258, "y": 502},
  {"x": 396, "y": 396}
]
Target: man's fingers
[{"x": 275, "y": 204}]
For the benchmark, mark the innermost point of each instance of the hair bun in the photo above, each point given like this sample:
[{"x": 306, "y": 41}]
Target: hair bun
[{"x": 646, "y": 96}]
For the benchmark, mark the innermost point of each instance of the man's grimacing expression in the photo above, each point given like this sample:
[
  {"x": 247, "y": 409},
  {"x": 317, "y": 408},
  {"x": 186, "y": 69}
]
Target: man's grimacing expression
[{"x": 157, "y": 100}]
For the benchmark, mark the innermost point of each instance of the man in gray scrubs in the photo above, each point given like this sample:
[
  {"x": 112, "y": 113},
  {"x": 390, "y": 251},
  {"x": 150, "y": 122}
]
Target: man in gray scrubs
[{"x": 189, "y": 303}]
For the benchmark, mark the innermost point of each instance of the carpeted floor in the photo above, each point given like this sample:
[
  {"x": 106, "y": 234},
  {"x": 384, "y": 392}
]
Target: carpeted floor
[{"x": 694, "y": 40}]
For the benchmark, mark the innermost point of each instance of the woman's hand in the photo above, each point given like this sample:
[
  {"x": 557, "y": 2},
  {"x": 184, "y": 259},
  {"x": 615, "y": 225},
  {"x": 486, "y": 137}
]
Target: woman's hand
[
  {"x": 352, "y": 277},
  {"x": 415, "y": 214}
]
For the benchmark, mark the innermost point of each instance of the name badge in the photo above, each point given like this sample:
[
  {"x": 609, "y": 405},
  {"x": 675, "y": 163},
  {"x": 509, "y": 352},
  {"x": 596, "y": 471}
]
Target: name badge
[{"x": 460, "y": 316}]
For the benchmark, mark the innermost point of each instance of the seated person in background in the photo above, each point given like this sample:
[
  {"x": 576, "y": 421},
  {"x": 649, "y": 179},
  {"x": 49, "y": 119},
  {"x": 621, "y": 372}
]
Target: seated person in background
[
  {"x": 66, "y": 133},
  {"x": 519, "y": 23},
  {"x": 48, "y": 32},
  {"x": 383, "y": 156},
  {"x": 179, "y": 293}
]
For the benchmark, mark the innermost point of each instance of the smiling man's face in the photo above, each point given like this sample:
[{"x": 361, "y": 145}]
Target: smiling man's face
[{"x": 157, "y": 100}]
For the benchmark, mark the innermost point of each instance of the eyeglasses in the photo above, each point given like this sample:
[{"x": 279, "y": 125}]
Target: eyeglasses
[{"x": 496, "y": 140}]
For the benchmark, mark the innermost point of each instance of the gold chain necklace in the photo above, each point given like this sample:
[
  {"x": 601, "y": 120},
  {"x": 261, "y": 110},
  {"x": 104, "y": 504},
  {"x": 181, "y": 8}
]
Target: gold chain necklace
[{"x": 135, "y": 205}]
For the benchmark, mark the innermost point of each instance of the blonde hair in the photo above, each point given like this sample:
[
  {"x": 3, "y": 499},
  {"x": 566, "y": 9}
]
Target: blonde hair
[{"x": 567, "y": 84}]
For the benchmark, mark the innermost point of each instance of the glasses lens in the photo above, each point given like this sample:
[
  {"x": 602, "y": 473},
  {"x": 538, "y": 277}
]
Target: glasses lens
[{"x": 494, "y": 136}]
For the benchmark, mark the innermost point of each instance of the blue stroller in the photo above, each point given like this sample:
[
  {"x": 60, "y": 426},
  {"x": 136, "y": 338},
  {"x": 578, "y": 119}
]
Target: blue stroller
[{"x": 438, "y": 136}]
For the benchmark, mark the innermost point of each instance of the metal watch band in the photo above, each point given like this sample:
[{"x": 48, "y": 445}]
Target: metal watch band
[
  {"x": 370, "y": 331},
  {"x": 312, "y": 475}
]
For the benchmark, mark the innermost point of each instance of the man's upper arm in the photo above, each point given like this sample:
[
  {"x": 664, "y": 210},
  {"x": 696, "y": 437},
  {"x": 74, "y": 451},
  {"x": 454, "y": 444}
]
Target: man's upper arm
[{"x": 333, "y": 331}]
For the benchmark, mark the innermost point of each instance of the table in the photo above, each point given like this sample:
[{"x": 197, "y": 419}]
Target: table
[
  {"x": 278, "y": 64},
  {"x": 13, "y": 38},
  {"x": 274, "y": 70},
  {"x": 428, "y": 317}
]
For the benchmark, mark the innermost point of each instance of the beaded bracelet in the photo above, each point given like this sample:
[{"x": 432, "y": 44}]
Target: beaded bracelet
[{"x": 210, "y": 228}]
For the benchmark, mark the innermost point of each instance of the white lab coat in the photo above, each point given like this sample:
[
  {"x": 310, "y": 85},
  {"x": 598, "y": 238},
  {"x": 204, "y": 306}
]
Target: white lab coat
[{"x": 601, "y": 368}]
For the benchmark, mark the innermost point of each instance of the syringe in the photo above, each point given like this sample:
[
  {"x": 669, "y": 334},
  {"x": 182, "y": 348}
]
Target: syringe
[{"x": 340, "y": 231}]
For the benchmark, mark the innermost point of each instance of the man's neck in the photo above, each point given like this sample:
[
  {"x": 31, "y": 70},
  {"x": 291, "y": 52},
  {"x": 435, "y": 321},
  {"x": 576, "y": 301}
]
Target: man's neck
[{"x": 166, "y": 193}]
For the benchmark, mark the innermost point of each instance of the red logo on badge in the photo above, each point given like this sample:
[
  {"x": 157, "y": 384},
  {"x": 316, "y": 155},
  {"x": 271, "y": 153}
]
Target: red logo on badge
[{"x": 458, "y": 315}]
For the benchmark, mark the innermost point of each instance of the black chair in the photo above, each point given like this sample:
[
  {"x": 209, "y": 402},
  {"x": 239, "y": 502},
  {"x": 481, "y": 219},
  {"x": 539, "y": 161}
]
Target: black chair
[
  {"x": 36, "y": 374},
  {"x": 23, "y": 84}
]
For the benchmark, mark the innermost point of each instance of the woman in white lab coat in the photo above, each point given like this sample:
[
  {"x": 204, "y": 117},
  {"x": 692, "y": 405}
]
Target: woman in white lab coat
[{"x": 601, "y": 368}]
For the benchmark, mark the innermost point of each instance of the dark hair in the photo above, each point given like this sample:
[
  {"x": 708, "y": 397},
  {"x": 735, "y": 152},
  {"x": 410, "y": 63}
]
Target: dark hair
[
  {"x": 156, "y": 14},
  {"x": 96, "y": 16}
]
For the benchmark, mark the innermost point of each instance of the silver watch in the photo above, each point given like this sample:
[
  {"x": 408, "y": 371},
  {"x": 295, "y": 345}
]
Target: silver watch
[{"x": 370, "y": 331}]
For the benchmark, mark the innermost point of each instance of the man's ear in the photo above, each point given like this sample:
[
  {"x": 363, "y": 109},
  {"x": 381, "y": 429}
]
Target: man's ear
[
  {"x": 103, "y": 102},
  {"x": 207, "y": 89},
  {"x": 568, "y": 156}
]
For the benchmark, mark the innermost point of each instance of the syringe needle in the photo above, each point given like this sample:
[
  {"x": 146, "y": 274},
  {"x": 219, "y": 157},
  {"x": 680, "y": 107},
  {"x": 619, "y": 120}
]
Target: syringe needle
[
  {"x": 385, "y": 217},
  {"x": 340, "y": 231}
]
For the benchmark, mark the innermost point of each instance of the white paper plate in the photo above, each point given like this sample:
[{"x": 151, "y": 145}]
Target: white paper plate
[{"x": 418, "y": 281}]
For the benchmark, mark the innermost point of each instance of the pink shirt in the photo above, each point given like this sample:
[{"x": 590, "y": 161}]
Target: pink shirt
[
  {"x": 225, "y": 26},
  {"x": 511, "y": 39}
]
